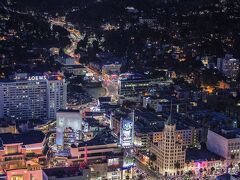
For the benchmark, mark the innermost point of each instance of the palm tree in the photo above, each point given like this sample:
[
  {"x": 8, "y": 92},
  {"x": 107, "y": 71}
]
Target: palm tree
[
  {"x": 212, "y": 169},
  {"x": 189, "y": 173},
  {"x": 177, "y": 166},
  {"x": 153, "y": 157}
]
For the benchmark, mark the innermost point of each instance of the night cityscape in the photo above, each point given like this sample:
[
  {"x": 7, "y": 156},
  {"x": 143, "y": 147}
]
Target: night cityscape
[{"x": 119, "y": 90}]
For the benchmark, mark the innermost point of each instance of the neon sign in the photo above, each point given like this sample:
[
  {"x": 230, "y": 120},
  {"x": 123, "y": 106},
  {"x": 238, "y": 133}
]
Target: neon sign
[{"x": 36, "y": 78}]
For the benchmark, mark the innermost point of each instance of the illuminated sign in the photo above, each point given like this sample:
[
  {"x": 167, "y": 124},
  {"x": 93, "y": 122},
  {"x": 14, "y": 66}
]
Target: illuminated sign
[
  {"x": 113, "y": 162},
  {"x": 36, "y": 78},
  {"x": 127, "y": 129},
  {"x": 85, "y": 127},
  {"x": 128, "y": 162}
]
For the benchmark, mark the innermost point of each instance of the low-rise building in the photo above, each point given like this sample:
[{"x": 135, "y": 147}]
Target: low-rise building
[
  {"x": 203, "y": 161},
  {"x": 164, "y": 104},
  {"x": 66, "y": 173},
  {"x": 102, "y": 154},
  {"x": 74, "y": 69},
  {"x": 61, "y": 173},
  {"x": 18, "y": 150},
  {"x": 225, "y": 143}
]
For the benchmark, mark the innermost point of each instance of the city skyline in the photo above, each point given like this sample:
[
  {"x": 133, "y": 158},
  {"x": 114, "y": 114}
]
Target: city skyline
[{"x": 119, "y": 90}]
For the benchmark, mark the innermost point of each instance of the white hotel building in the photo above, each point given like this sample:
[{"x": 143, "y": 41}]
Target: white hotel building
[{"x": 33, "y": 97}]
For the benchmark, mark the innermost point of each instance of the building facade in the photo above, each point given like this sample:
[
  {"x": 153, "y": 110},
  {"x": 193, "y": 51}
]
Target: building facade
[
  {"x": 229, "y": 66},
  {"x": 68, "y": 128},
  {"x": 170, "y": 152},
  {"x": 226, "y": 143},
  {"x": 132, "y": 84},
  {"x": 33, "y": 97},
  {"x": 21, "y": 150}
]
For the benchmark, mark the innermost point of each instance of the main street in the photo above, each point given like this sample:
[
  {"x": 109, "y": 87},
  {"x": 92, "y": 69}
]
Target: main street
[{"x": 151, "y": 175}]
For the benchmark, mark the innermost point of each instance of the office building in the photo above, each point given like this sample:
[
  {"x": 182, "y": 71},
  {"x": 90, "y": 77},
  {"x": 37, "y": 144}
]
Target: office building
[
  {"x": 160, "y": 104},
  {"x": 149, "y": 127},
  {"x": 226, "y": 143},
  {"x": 33, "y": 97},
  {"x": 132, "y": 84},
  {"x": 169, "y": 151}
]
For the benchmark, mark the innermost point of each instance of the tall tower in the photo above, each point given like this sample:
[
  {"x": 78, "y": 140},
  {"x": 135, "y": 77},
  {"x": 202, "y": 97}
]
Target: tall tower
[{"x": 170, "y": 152}]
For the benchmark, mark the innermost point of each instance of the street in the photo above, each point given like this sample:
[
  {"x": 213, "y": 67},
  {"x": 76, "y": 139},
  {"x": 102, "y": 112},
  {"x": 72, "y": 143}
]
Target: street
[{"x": 150, "y": 174}]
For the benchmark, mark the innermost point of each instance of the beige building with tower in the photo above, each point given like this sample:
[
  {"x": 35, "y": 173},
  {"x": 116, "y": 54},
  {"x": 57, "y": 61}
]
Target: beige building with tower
[{"x": 169, "y": 151}]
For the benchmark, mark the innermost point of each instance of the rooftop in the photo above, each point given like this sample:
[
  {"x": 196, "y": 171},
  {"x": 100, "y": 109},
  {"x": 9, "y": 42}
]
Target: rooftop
[
  {"x": 181, "y": 121},
  {"x": 101, "y": 138},
  {"x": 78, "y": 66},
  {"x": 30, "y": 137},
  {"x": 104, "y": 99},
  {"x": 63, "y": 172},
  {"x": 229, "y": 133},
  {"x": 194, "y": 154},
  {"x": 33, "y": 77},
  {"x": 68, "y": 110},
  {"x": 131, "y": 76}
]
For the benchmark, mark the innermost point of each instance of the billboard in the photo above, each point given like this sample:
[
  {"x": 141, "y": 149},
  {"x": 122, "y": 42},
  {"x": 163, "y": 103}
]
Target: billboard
[{"x": 127, "y": 132}]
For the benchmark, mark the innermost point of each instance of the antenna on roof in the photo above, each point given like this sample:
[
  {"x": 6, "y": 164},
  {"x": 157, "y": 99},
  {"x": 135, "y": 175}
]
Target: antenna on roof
[{"x": 170, "y": 120}]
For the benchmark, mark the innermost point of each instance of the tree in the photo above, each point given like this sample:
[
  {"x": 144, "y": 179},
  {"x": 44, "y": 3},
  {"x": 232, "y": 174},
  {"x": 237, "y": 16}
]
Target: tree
[
  {"x": 177, "y": 165},
  {"x": 82, "y": 44},
  {"x": 153, "y": 157},
  {"x": 189, "y": 173},
  {"x": 212, "y": 169}
]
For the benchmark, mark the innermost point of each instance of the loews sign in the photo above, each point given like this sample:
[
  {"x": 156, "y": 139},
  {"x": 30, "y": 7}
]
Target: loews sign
[{"x": 36, "y": 78}]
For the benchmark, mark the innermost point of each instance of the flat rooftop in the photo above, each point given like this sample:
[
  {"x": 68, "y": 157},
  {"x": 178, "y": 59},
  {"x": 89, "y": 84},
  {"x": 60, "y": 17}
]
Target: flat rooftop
[
  {"x": 131, "y": 76},
  {"x": 182, "y": 123},
  {"x": 61, "y": 172},
  {"x": 194, "y": 154},
  {"x": 19, "y": 77},
  {"x": 101, "y": 138},
  {"x": 229, "y": 133},
  {"x": 30, "y": 137}
]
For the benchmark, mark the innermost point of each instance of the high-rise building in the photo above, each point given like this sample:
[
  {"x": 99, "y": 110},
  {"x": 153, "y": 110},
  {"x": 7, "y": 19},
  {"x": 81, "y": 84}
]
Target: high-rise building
[
  {"x": 169, "y": 151},
  {"x": 229, "y": 66},
  {"x": 33, "y": 97}
]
